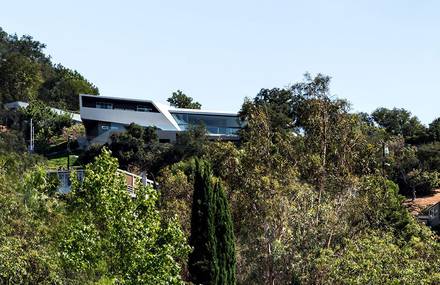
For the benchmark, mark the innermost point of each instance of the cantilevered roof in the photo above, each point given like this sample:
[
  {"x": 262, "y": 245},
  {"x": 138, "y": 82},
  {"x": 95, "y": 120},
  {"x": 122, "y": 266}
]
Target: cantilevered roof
[{"x": 164, "y": 107}]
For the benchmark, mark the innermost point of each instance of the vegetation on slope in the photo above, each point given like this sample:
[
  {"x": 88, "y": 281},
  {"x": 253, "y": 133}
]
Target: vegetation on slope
[
  {"x": 312, "y": 193},
  {"x": 27, "y": 74}
]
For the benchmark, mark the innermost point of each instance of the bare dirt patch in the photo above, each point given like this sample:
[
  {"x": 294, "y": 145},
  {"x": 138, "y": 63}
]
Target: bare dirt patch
[{"x": 420, "y": 203}]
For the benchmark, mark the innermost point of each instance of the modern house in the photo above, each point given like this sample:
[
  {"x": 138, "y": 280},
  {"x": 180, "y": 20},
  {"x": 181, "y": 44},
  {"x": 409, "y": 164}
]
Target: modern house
[
  {"x": 426, "y": 209},
  {"x": 103, "y": 116}
]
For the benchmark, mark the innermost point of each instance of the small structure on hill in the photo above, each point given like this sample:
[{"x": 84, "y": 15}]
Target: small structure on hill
[
  {"x": 431, "y": 215},
  {"x": 426, "y": 209},
  {"x": 76, "y": 118}
]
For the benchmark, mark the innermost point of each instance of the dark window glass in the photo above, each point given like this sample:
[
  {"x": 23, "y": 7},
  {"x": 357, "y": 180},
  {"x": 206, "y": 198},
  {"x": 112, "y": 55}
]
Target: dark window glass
[
  {"x": 215, "y": 124},
  {"x": 103, "y": 105},
  {"x": 120, "y": 104}
]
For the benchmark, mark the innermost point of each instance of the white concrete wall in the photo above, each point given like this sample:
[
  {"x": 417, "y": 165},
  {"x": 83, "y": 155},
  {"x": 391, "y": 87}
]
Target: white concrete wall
[{"x": 127, "y": 117}]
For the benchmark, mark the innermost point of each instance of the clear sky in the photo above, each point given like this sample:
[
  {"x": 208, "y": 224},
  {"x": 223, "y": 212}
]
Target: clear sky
[{"x": 378, "y": 53}]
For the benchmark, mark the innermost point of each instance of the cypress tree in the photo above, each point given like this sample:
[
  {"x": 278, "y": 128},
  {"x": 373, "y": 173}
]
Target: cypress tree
[
  {"x": 202, "y": 263},
  {"x": 212, "y": 261},
  {"x": 224, "y": 233}
]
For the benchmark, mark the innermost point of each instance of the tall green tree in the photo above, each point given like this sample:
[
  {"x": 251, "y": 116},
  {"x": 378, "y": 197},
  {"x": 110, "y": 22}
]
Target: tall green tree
[
  {"x": 138, "y": 149},
  {"x": 224, "y": 233},
  {"x": 181, "y": 100},
  {"x": 202, "y": 263},
  {"x": 434, "y": 130},
  {"x": 46, "y": 122},
  {"x": 20, "y": 78},
  {"x": 278, "y": 106},
  {"x": 63, "y": 87},
  {"x": 27, "y": 73},
  {"x": 115, "y": 235},
  {"x": 29, "y": 217},
  {"x": 332, "y": 136},
  {"x": 400, "y": 122},
  {"x": 213, "y": 258}
]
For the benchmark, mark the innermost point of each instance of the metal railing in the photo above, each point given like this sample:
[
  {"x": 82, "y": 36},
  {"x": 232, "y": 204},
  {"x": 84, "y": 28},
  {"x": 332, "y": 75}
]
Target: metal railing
[{"x": 64, "y": 178}]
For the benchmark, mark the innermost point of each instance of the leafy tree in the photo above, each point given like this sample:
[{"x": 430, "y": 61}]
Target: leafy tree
[
  {"x": 423, "y": 182},
  {"x": 429, "y": 156},
  {"x": 180, "y": 100},
  {"x": 414, "y": 169},
  {"x": 26, "y": 73},
  {"x": 12, "y": 141},
  {"x": 63, "y": 87},
  {"x": 400, "y": 122},
  {"x": 29, "y": 218},
  {"x": 259, "y": 190},
  {"x": 378, "y": 258},
  {"x": 366, "y": 118},
  {"x": 434, "y": 130},
  {"x": 47, "y": 123},
  {"x": 191, "y": 142},
  {"x": 176, "y": 185},
  {"x": 73, "y": 132},
  {"x": 24, "y": 45},
  {"x": 112, "y": 234},
  {"x": 138, "y": 149},
  {"x": 20, "y": 78},
  {"x": 277, "y": 104},
  {"x": 88, "y": 156},
  {"x": 333, "y": 139}
]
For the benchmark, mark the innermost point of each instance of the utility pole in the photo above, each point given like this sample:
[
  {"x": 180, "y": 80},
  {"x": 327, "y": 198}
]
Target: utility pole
[
  {"x": 385, "y": 152},
  {"x": 31, "y": 141},
  {"x": 68, "y": 152}
]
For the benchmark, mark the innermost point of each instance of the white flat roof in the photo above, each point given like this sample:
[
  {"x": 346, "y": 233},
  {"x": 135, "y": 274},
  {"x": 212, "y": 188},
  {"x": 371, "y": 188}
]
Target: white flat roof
[
  {"x": 169, "y": 108},
  {"x": 19, "y": 104}
]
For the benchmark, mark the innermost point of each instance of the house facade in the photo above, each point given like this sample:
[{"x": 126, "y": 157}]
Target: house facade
[
  {"x": 103, "y": 116},
  {"x": 431, "y": 215}
]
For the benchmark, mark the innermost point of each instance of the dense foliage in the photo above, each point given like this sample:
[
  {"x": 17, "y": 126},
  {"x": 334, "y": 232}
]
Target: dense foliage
[
  {"x": 26, "y": 74},
  {"x": 111, "y": 233},
  {"x": 98, "y": 233},
  {"x": 311, "y": 194}
]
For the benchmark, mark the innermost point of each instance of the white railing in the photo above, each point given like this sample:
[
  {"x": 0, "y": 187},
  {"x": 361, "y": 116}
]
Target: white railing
[{"x": 64, "y": 177}]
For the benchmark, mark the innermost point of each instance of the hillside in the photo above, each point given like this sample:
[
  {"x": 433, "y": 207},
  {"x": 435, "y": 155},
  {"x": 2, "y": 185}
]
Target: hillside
[
  {"x": 27, "y": 73},
  {"x": 309, "y": 193}
]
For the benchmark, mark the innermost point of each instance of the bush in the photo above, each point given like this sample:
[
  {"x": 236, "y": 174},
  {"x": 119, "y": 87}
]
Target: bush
[
  {"x": 12, "y": 141},
  {"x": 378, "y": 258}
]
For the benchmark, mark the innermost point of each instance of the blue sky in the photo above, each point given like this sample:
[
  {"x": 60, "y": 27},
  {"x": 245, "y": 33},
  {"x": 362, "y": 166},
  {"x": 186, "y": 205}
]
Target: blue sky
[{"x": 379, "y": 53}]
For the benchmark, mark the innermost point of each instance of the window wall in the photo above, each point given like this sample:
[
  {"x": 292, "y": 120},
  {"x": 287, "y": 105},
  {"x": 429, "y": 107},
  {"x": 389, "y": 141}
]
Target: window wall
[
  {"x": 215, "y": 124},
  {"x": 117, "y": 104}
]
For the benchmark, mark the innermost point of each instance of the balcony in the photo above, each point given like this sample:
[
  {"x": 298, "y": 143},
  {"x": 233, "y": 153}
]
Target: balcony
[{"x": 64, "y": 177}]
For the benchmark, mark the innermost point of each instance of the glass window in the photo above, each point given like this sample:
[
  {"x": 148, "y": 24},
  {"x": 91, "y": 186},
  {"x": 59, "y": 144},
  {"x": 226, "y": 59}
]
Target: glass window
[
  {"x": 215, "y": 124},
  {"x": 141, "y": 108},
  {"x": 102, "y": 105},
  {"x": 181, "y": 119}
]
